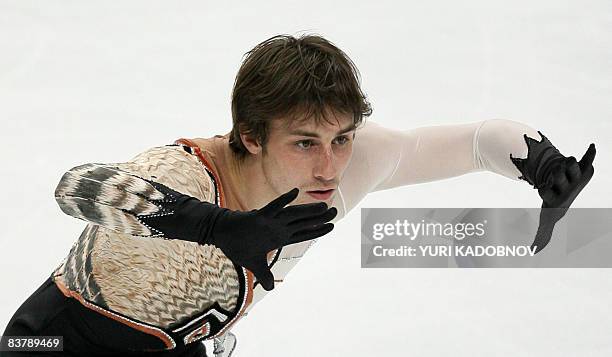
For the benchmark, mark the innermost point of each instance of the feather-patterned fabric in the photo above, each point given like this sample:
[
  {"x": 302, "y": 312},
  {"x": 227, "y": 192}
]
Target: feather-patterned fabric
[
  {"x": 108, "y": 196},
  {"x": 118, "y": 264}
]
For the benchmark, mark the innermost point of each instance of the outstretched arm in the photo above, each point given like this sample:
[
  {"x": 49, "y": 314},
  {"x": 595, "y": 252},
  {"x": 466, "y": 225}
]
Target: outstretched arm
[
  {"x": 385, "y": 158},
  {"x": 393, "y": 158},
  {"x": 433, "y": 153}
]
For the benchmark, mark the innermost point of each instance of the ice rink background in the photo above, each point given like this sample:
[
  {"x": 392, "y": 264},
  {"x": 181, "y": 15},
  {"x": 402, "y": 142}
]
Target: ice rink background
[{"x": 101, "y": 81}]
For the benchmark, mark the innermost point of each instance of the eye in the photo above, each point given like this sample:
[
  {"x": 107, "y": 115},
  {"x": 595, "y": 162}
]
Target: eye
[
  {"x": 307, "y": 144},
  {"x": 342, "y": 140}
]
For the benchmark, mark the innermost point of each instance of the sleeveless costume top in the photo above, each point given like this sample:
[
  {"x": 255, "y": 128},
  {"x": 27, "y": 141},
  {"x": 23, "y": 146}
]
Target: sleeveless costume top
[{"x": 176, "y": 290}]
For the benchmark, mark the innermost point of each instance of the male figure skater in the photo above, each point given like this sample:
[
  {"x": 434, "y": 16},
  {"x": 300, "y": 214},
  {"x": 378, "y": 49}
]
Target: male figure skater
[{"x": 186, "y": 238}]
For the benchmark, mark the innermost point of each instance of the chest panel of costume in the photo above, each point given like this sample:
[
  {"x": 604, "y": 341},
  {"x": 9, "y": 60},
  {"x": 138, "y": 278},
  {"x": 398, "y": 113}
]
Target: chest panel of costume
[{"x": 178, "y": 291}]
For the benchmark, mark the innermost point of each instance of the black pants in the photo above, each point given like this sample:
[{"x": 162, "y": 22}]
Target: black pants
[{"x": 47, "y": 312}]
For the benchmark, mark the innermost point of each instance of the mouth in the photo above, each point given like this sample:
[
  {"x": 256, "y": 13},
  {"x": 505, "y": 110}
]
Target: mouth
[{"x": 321, "y": 194}]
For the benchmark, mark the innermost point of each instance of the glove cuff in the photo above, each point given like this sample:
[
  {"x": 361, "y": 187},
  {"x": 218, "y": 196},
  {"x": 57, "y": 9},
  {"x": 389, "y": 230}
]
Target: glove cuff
[{"x": 542, "y": 158}]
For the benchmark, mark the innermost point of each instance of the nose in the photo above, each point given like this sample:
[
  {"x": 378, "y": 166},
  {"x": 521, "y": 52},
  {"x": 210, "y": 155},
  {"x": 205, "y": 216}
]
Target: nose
[{"x": 325, "y": 169}]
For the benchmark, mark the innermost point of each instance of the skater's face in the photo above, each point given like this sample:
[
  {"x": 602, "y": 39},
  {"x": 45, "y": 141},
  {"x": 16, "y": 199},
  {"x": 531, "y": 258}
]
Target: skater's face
[{"x": 309, "y": 156}]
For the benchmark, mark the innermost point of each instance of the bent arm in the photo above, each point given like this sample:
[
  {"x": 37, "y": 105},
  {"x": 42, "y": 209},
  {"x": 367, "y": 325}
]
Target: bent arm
[{"x": 121, "y": 197}]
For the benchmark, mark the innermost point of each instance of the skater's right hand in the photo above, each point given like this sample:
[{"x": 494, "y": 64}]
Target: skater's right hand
[
  {"x": 244, "y": 237},
  {"x": 247, "y": 237}
]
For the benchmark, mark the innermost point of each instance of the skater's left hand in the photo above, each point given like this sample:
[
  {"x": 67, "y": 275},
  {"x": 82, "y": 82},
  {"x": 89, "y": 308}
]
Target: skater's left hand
[{"x": 563, "y": 185}]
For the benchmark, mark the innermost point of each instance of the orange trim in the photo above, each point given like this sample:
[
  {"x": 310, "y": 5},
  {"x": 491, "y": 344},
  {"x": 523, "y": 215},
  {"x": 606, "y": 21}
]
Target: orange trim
[
  {"x": 151, "y": 331},
  {"x": 249, "y": 298},
  {"x": 198, "y": 152},
  {"x": 197, "y": 334},
  {"x": 249, "y": 276}
]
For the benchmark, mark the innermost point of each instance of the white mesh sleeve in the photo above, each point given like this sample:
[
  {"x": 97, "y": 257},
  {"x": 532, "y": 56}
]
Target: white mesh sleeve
[{"x": 385, "y": 158}]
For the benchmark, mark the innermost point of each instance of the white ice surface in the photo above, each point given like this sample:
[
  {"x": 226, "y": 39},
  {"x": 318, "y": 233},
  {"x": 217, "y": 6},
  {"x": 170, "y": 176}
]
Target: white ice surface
[{"x": 101, "y": 81}]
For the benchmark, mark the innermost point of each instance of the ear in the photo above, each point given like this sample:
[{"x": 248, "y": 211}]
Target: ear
[{"x": 251, "y": 144}]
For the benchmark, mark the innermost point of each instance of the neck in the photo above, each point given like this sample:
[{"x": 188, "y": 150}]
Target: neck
[{"x": 248, "y": 182}]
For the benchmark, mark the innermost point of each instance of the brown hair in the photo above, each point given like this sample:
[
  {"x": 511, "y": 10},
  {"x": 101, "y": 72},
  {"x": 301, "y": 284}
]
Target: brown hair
[{"x": 285, "y": 76}]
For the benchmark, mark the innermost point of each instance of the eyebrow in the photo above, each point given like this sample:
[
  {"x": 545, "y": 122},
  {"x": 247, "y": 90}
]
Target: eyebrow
[{"x": 315, "y": 135}]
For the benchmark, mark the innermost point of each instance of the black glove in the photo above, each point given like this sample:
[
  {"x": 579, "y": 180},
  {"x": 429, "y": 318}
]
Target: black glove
[
  {"x": 244, "y": 237},
  {"x": 559, "y": 180}
]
